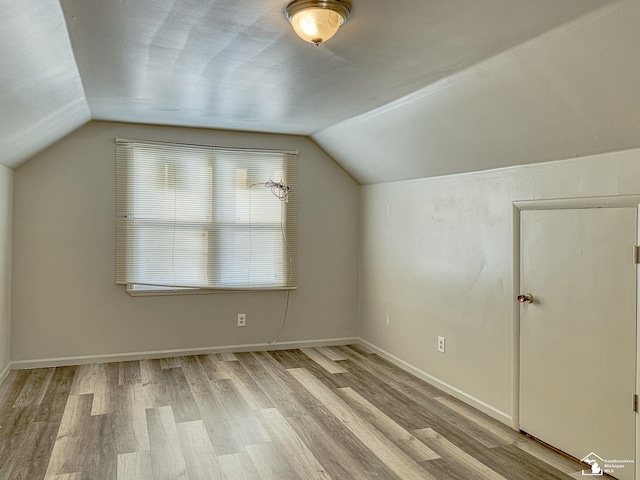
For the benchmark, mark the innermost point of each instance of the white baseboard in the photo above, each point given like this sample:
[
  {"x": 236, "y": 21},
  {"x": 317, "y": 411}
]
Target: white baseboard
[
  {"x": 5, "y": 372},
  {"x": 436, "y": 382},
  {"x": 123, "y": 357}
]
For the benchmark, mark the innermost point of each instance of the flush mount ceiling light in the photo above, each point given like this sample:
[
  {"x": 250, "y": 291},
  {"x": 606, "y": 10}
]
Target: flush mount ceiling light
[{"x": 316, "y": 21}]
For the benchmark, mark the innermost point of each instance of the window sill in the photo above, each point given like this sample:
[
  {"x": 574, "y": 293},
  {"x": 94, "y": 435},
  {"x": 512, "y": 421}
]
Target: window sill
[{"x": 202, "y": 291}]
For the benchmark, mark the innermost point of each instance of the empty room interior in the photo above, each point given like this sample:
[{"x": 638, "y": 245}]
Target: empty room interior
[{"x": 227, "y": 252}]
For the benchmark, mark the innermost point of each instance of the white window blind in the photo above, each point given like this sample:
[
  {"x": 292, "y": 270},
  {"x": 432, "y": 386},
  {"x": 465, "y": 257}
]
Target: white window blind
[{"x": 199, "y": 217}]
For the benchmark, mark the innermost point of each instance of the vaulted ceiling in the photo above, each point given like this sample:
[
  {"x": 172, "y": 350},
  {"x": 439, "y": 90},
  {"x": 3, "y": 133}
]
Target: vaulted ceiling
[{"x": 406, "y": 89}]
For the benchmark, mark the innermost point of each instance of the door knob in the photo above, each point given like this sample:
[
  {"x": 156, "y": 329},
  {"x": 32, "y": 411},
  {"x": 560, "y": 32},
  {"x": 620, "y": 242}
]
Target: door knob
[{"x": 525, "y": 298}]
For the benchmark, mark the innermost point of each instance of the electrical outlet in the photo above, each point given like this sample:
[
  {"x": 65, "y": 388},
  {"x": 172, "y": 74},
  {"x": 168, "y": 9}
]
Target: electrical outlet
[
  {"x": 242, "y": 320},
  {"x": 441, "y": 344}
]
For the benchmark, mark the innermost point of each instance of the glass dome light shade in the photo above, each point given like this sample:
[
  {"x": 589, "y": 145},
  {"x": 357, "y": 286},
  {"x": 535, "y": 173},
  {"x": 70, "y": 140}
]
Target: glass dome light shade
[{"x": 316, "y": 25}]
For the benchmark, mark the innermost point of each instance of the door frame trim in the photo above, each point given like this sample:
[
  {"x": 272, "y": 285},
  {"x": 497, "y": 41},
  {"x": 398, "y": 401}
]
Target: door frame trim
[{"x": 617, "y": 201}]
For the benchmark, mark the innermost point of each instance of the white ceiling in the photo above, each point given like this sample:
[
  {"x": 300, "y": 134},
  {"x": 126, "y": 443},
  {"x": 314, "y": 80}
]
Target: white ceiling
[{"x": 406, "y": 89}]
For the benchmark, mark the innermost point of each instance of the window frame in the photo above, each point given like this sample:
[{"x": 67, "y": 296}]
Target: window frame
[{"x": 286, "y": 226}]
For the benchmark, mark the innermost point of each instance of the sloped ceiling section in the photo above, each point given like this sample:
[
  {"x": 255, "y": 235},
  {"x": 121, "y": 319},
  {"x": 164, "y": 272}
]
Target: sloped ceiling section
[
  {"x": 574, "y": 91},
  {"x": 41, "y": 94}
]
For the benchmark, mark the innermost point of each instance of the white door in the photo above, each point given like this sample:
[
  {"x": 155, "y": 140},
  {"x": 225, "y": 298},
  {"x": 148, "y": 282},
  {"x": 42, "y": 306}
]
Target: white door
[{"x": 578, "y": 335}]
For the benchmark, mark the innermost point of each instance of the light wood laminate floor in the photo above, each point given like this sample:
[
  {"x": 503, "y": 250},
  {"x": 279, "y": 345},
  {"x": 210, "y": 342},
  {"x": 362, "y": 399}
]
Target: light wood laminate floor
[{"x": 320, "y": 413}]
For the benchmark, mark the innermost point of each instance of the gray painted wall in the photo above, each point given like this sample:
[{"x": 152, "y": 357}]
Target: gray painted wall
[
  {"x": 436, "y": 255},
  {"x": 66, "y": 302},
  {"x": 6, "y": 207}
]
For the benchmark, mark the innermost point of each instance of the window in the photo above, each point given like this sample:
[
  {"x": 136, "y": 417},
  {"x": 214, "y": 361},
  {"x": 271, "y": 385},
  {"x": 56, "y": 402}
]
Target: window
[{"x": 191, "y": 218}]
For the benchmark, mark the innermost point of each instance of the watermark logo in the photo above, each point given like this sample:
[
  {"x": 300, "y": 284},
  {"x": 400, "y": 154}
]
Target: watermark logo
[
  {"x": 599, "y": 466},
  {"x": 595, "y": 462}
]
